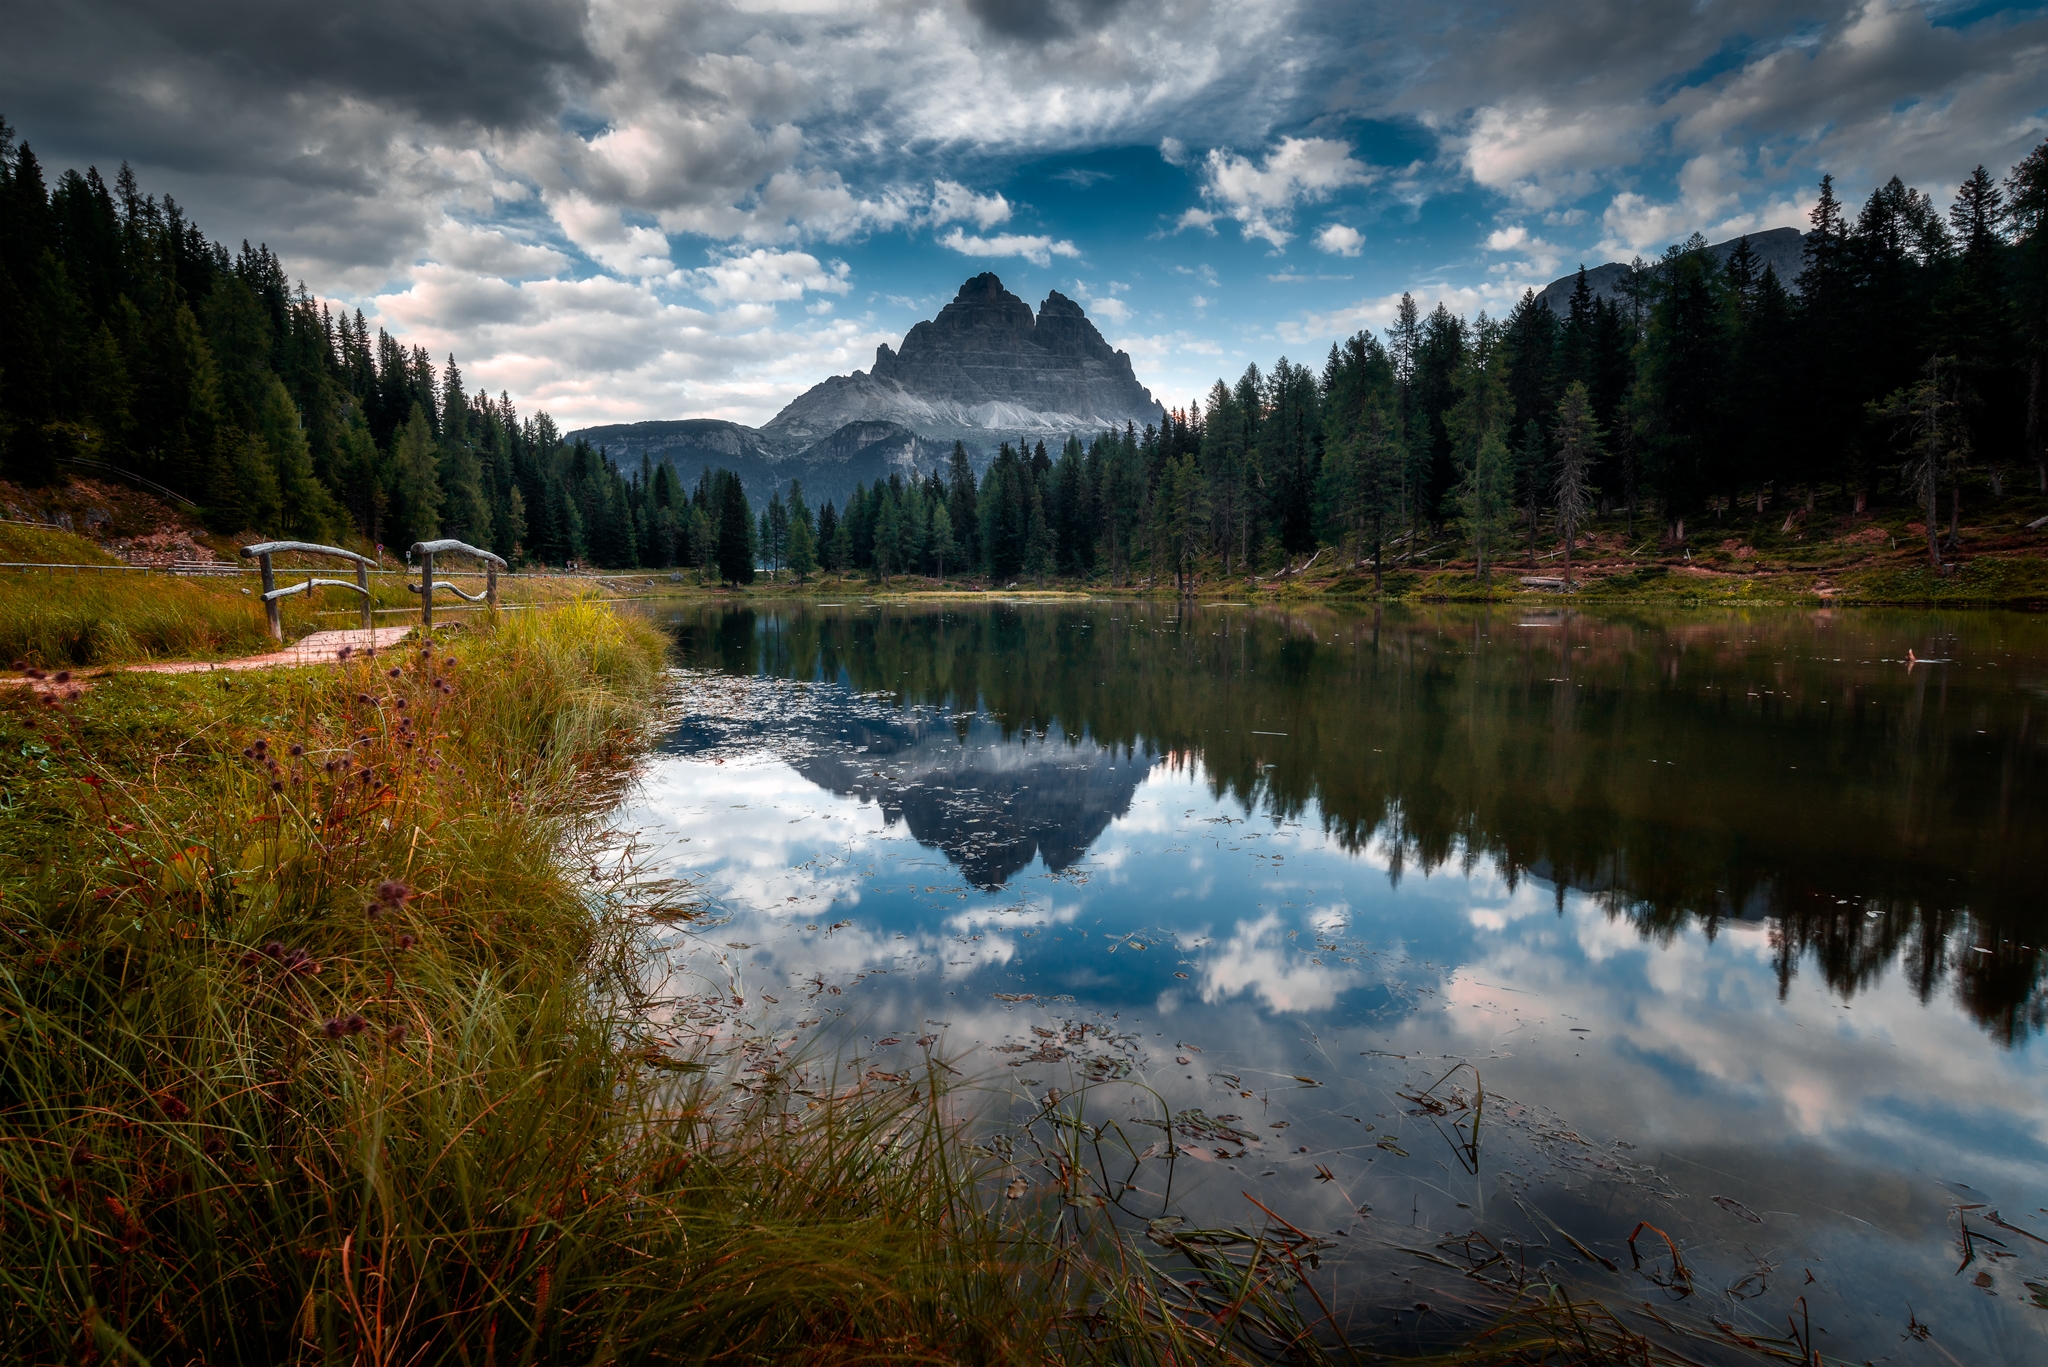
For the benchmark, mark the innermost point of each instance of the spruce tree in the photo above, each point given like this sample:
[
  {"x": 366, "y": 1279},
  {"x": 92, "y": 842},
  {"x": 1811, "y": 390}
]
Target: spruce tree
[
  {"x": 803, "y": 551},
  {"x": 2026, "y": 212},
  {"x": 735, "y": 531},
  {"x": 1041, "y": 547},
  {"x": 1932, "y": 439},
  {"x": 1578, "y": 455},
  {"x": 417, "y": 496},
  {"x": 942, "y": 546}
]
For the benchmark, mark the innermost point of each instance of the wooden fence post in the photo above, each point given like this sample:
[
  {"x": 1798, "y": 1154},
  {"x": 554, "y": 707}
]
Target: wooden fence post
[
  {"x": 271, "y": 611},
  {"x": 426, "y": 591},
  {"x": 363, "y": 583},
  {"x": 491, "y": 584}
]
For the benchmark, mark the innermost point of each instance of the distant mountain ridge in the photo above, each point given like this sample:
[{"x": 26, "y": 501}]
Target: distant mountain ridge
[
  {"x": 1782, "y": 249},
  {"x": 986, "y": 370}
]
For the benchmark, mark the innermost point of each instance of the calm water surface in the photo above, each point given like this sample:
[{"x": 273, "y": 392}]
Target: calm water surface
[{"x": 1736, "y": 918}]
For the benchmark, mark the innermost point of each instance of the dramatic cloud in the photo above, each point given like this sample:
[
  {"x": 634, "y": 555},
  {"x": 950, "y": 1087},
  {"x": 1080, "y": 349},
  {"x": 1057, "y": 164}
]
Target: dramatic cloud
[{"x": 706, "y": 204}]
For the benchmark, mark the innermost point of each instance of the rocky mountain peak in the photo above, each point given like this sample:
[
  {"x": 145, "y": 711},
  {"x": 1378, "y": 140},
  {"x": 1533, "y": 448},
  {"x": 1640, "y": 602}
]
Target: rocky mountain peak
[{"x": 985, "y": 369}]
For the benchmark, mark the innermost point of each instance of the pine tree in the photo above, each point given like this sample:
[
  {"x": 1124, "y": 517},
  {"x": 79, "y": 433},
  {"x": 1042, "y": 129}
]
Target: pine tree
[
  {"x": 703, "y": 542},
  {"x": 1185, "y": 500},
  {"x": 942, "y": 546},
  {"x": 775, "y": 543},
  {"x": 1532, "y": 478},
  {"x": 1684, "y": 399},
  {"x": 2026, "y": 211},
  {"x": 842, "y": 546},
  {"x": 803, "y": 551},
  {"x": 1041, "y": 542},
  {"x": 1578, "y": 456},
  {"x": 1485, "y": 500},
  {"x": 883, "y": 552},
  {"x": 735, "y": 531},
  {"x": 418, "y": 492},
  {"x": 1933, "y": 440}
]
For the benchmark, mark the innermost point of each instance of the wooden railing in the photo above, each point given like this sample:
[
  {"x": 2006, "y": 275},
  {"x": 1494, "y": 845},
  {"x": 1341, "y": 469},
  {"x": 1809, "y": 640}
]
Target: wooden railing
[
  {"x": 426, "y": 551},
  {"x": 263, "y": 550}
]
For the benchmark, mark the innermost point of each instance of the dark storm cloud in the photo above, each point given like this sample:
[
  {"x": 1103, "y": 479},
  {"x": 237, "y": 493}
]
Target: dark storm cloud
[
  {"x": 303, "y": 123},
  {"x": 1041, "y": 20},
  {"x": 492, "y": 63}
]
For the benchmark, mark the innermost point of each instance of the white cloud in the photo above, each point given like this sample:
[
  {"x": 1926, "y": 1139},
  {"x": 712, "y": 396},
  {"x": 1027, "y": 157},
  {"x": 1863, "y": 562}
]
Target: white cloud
[
  {"x": 1634, "y": 224},
  {"x": 1538, "y": 155},
  {"x": 601, "y": 233},
  {"x": 1104, "y": 303},
  {"x": 1261, "y": 196},
  {"x": 1196, "y": 218},
  {"x": 953, "y": 202},
  {"x": 761, "y": 276},
  {"x": 1340, "y": 240},
  {"x": 1039, "y": 250}
]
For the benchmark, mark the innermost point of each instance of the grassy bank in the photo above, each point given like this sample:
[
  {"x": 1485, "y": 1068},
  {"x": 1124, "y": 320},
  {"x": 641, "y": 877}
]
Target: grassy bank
[
  {"x": 70, "y": 617},
  {"x": 309, "y": 1057}
]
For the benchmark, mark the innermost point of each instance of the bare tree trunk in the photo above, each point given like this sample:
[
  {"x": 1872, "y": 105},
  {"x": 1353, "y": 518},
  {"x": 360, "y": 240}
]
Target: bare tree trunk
[
  {"x": 1933, "y": 530},
  {"x": 1955, "y": 514}
]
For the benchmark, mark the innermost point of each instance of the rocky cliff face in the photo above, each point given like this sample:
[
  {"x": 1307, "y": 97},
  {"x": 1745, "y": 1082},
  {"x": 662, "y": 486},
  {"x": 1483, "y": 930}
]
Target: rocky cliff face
[{"x": 984, "y": 370}]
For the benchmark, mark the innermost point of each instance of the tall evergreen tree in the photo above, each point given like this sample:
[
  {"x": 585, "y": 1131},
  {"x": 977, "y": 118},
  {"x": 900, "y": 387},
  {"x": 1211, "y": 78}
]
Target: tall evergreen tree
[
  {"x": 1578, "y": 456},
  {"x": 735, "y": 556}
]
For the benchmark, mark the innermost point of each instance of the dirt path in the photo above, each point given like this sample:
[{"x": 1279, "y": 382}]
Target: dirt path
[{"x": 322, "y": 647}]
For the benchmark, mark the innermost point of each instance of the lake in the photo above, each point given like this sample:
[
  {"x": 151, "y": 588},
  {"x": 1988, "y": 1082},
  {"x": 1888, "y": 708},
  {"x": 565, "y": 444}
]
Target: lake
[{"x": 1734, "y": 920}]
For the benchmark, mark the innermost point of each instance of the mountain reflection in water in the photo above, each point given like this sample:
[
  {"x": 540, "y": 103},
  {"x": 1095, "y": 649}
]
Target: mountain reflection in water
[
  {"x": 1785, "y": 767},
  {"x": 991, "y": 801}
]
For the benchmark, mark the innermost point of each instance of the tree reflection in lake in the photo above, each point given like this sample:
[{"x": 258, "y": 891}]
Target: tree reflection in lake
[
  {"x": 1790, "y": 768},
  {"x": 1732, "y": 915}
]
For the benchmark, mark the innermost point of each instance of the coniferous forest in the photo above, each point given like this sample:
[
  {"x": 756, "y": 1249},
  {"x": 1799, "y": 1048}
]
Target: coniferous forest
[{"x": 1902, "y": 367}]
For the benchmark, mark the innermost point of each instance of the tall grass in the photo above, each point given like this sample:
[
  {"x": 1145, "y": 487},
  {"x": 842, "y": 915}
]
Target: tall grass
[
  {"x": 313, "y": 1051},
  {"x": 60, "y": 619}
]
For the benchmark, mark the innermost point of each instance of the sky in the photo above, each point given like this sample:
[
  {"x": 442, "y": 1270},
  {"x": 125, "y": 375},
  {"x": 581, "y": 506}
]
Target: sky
[{"x": 620, "y": 210}]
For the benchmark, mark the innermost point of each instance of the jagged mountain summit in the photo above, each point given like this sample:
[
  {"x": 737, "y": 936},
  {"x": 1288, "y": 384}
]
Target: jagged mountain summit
[
  {"x": 1782, "y": 249},
  {"x": 984, "y": 370}
]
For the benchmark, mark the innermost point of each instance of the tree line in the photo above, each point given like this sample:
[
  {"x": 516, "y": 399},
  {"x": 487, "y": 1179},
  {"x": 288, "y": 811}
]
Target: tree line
[
  {"x": 129, "y": 338},
  {"x": 1903, "y": 362}
]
